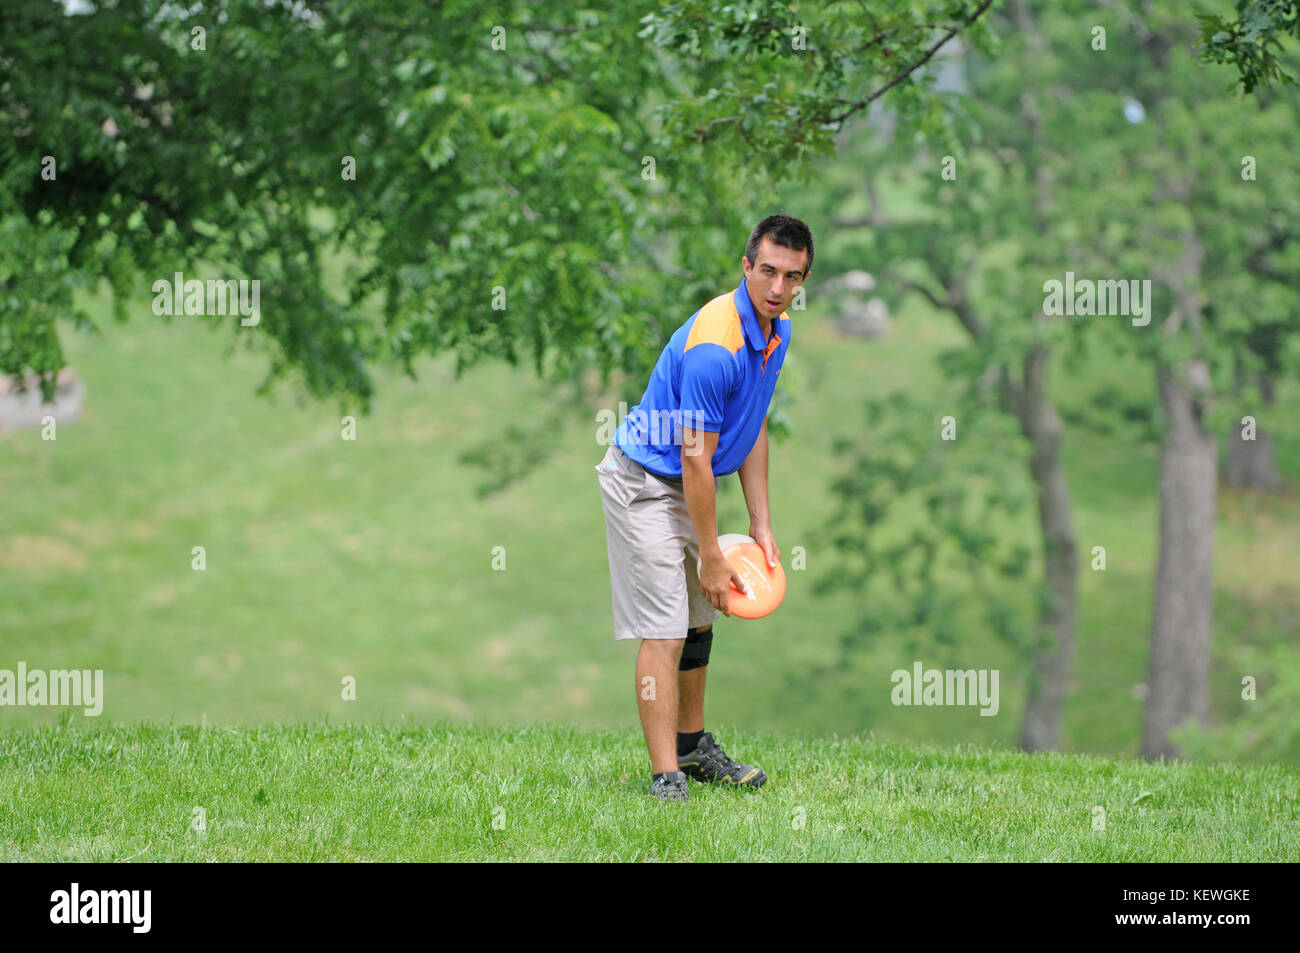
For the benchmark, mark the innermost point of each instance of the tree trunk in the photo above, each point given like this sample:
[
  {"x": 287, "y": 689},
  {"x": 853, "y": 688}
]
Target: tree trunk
[
  {"x": 1050, "y": 682},
  {"x": 1179, "y": 667},
  {"x": 1178, "y": 670},
  {"x": 1252, "y": 464}
]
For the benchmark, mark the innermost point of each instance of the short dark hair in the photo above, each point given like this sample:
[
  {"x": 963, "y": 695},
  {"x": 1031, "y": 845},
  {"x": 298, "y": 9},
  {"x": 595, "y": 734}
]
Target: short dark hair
[{"x": 785, "y": 231}]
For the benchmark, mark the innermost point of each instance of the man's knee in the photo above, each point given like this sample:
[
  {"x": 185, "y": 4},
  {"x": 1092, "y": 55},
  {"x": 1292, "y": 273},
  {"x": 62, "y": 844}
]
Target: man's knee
[
  {"x": 670, "y": 649},
  {"x": 695, "y": 652}
]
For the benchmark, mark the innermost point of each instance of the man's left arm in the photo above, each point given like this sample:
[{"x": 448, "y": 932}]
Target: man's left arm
[{"x": 753, "y": 481}]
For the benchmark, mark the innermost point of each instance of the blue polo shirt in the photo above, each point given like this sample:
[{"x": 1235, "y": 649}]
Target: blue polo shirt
[{"x": 716, "y": 373}]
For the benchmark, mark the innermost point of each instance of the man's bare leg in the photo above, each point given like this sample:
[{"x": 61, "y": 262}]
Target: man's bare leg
[{"x": 657, "y": 700}]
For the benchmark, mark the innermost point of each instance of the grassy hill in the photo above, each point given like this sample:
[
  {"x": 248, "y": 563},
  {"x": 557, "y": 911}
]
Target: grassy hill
[
  {"x": 557, "y": 792},
  {"x": 373, "y": 558}
]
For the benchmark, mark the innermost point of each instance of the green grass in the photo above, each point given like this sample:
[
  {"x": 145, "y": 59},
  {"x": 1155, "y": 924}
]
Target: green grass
[{"x": 315, "y": 792}]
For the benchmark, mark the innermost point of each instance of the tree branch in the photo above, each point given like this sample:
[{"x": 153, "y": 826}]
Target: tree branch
[{"x": 952, "y": 31}]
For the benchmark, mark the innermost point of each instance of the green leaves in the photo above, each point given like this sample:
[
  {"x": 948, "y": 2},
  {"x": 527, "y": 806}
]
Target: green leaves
[
  {"x": 1252, "y": 42},
  {"x": 780, "y": 79},
  {"x": 502, "y": 205},
  {"x": 36, "y": 289},
  {"x": 926, "y": 527}
]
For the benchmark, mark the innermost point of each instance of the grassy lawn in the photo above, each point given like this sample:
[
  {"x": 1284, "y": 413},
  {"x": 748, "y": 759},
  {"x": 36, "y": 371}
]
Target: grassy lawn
[{"x": 316, "y": 792}]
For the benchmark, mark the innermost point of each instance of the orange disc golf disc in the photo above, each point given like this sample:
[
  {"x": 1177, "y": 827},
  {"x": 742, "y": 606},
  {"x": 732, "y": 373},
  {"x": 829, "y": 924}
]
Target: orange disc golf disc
[{"x": 766, "y": 586}]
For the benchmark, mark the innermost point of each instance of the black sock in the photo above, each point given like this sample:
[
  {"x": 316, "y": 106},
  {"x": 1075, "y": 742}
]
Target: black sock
[
  {"x": 660, "y": 775},
  {"x": 687, "y": 740}
]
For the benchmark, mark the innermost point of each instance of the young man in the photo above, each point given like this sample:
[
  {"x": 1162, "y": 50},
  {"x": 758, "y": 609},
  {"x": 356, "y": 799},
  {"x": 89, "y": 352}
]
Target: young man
[{"x": 703, "y": 415}]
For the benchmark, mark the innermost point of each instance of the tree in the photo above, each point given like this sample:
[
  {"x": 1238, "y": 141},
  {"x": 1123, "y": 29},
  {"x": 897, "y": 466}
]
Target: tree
[
  {"x": 1180, "y": 198},
  {"x": 1251, "y": 43},
  {"x": 1109, "y": 164},
  {"x": 500, "y": 176},
  {"x": 990, "y": 229}
]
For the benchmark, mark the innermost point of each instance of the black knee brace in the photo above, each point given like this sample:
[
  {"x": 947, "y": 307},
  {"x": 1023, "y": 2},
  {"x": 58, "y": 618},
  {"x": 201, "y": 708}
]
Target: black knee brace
[{"x": 695, "y": 653}]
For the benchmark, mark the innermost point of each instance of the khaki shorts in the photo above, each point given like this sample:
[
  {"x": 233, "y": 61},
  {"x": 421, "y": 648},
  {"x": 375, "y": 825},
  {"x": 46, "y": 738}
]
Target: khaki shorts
[{"x": 652, "y": 552}]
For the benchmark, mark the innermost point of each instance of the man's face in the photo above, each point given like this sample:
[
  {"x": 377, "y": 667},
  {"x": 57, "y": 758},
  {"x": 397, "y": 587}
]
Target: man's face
[{"x": 773, "y": 277}]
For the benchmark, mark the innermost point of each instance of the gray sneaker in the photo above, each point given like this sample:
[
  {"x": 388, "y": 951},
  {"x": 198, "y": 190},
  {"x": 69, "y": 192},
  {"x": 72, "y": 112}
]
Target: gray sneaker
[
  {"x": 671, "y": 787},
  {"x": 708, "y": 762}
]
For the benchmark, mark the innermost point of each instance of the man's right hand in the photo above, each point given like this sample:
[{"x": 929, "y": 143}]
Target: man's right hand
[{"x": 716, "y": 579}]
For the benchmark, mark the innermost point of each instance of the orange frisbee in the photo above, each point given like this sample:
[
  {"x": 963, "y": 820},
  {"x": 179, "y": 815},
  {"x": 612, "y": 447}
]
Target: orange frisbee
[{"x": 766, "y": 586}]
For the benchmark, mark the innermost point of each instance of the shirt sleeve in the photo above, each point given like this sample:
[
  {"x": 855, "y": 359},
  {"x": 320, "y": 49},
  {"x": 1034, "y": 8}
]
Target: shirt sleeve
[{"x": 708, "y": 377}]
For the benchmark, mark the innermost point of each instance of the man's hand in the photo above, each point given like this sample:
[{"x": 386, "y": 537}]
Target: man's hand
[
  {"x": 716, "y": 579},
  {"x": 762, "y": 534}
]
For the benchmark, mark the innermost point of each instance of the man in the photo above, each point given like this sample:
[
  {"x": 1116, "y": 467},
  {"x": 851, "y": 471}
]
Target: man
[{"x": 703, "y": 416}]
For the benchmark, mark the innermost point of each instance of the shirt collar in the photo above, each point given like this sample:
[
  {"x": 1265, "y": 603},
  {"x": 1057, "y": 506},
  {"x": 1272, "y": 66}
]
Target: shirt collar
[{"x": 749, "y": 320}]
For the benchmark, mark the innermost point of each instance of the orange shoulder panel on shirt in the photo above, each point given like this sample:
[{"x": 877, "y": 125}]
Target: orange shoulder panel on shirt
[{"x": 717, "y": 323}]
